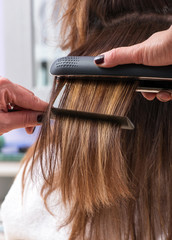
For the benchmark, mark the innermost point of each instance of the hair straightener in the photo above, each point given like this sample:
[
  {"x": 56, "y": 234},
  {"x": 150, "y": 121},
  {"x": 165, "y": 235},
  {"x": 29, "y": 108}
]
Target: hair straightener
[{"x": 150, "y": 79}]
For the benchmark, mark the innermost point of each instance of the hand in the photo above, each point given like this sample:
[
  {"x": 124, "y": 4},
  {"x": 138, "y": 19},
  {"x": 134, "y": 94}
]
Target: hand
[
  {"x": 155, "y": 51},
  {"x": 26, "y": 106}
]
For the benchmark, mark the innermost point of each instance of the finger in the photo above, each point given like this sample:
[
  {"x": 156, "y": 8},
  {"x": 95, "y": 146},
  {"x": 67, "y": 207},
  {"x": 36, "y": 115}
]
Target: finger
[
  {"x": 17, "y": 95},
  {"x": 164, "y": 96},
  {"x": 27, "y": 100},
  {"x": 149, "y": 96},
  {"x": 117, "y": 56},
  {"x": 161, "y": 96},
  {"x": 30, "y": 130},
  {"x": 20, "y": 119}
]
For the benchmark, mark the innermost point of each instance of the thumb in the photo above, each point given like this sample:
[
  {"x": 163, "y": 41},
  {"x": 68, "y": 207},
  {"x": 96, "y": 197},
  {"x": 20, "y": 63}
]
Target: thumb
[
  {"x": 118, "y": 56},
  {"x": 18, "y": 119}
]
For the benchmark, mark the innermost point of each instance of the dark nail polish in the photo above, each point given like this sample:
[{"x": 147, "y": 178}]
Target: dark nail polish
[
  {"x": 99, "y": 59},
  {"x": 33, "y": 130},
  {"x": 40, "y": 118}
]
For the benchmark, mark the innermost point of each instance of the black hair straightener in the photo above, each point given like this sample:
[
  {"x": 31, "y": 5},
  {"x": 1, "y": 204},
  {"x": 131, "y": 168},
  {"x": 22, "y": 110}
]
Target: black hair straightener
[{"x": 150, "y": 79}]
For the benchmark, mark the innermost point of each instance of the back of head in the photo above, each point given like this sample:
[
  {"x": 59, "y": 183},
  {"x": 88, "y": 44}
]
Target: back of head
[
  {"x": 117, "y": 183},
  {"x": 84, "y": 17}
]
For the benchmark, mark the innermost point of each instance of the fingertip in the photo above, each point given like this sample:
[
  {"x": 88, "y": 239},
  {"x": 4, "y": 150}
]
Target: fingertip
[
  {"x": 149, "y": 96},
  {"x": 116, "y": 56},
  {"x": 106, "y": 60},
  {"x": 161, "y": 96},
  {"x": 30, "y": 130},
  {"x": 164, "y": 96},
  {"x": 99, "y": 59},
  {"x": 38, "y": 104}
]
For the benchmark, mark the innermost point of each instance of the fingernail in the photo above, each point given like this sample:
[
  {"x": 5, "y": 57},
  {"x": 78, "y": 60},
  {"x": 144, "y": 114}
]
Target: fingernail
[
  {"x": 99, "y": 59},
  {"x": 33, "y": 130},
  {"x": 40, "y": 118},
  {"x": 164, "y": 96}
]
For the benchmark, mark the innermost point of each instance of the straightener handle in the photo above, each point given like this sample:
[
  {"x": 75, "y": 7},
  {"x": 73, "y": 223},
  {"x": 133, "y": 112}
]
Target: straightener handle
[{"x": 85, "y": 66}]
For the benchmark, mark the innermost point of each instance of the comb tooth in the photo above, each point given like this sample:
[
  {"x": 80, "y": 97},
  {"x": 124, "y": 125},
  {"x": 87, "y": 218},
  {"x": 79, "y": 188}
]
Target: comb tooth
[
  {"x": 124, "y": 122},
  {"x": 130, "y": 125}
]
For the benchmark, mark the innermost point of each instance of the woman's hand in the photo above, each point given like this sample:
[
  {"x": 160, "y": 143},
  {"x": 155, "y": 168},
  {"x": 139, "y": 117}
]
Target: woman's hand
[
  {"x": 25, "y": 106},
  {"x": 155, "y": 51}
]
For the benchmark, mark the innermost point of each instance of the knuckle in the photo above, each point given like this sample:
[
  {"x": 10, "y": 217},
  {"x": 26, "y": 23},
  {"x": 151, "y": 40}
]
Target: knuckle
[
  {"x": 6, "y": 93},
  {"x": 6, "y": 96},
  {"x": 35, "y": 99},
  {"x": 28, "y": 119},
  {"x": 111, "y": 55},
  {"x": 5, "y": 124},
  {"x": 138, "y": 55},
  {"x": 110, "y": 58},
  {"x": 32, "y": 93},
  {"x": 4, "y": 81}
]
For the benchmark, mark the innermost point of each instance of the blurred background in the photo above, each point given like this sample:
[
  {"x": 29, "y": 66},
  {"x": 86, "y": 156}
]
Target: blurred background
[{"x": 28, "y": 46}]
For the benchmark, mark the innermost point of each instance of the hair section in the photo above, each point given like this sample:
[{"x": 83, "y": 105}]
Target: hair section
[{"x": 116, "y": 183}]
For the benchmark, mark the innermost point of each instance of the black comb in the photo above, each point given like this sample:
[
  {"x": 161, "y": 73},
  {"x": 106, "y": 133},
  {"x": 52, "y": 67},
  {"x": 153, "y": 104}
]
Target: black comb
[{"x": 123, "y": 122}]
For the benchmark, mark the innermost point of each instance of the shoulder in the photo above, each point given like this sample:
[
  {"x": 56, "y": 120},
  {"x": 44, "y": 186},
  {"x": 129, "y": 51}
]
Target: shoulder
[{"x": 28, "y": 214}]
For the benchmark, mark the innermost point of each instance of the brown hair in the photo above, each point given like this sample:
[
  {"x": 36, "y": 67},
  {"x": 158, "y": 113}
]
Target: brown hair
[
  {"x": 116, "y": 182},
  {"x": 83, "y": 17}
]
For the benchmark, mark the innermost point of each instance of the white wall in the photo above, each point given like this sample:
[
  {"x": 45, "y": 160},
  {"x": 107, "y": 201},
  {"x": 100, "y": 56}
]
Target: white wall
[
  {"x": 19, "y": 59},
  {"x": 17, "y": 41}
]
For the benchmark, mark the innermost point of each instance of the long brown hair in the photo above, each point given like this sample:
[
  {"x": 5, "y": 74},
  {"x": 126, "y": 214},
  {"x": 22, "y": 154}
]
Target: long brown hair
[
  {"x": 83, "y": 17},
  {"x": 116, "y": 182}
]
